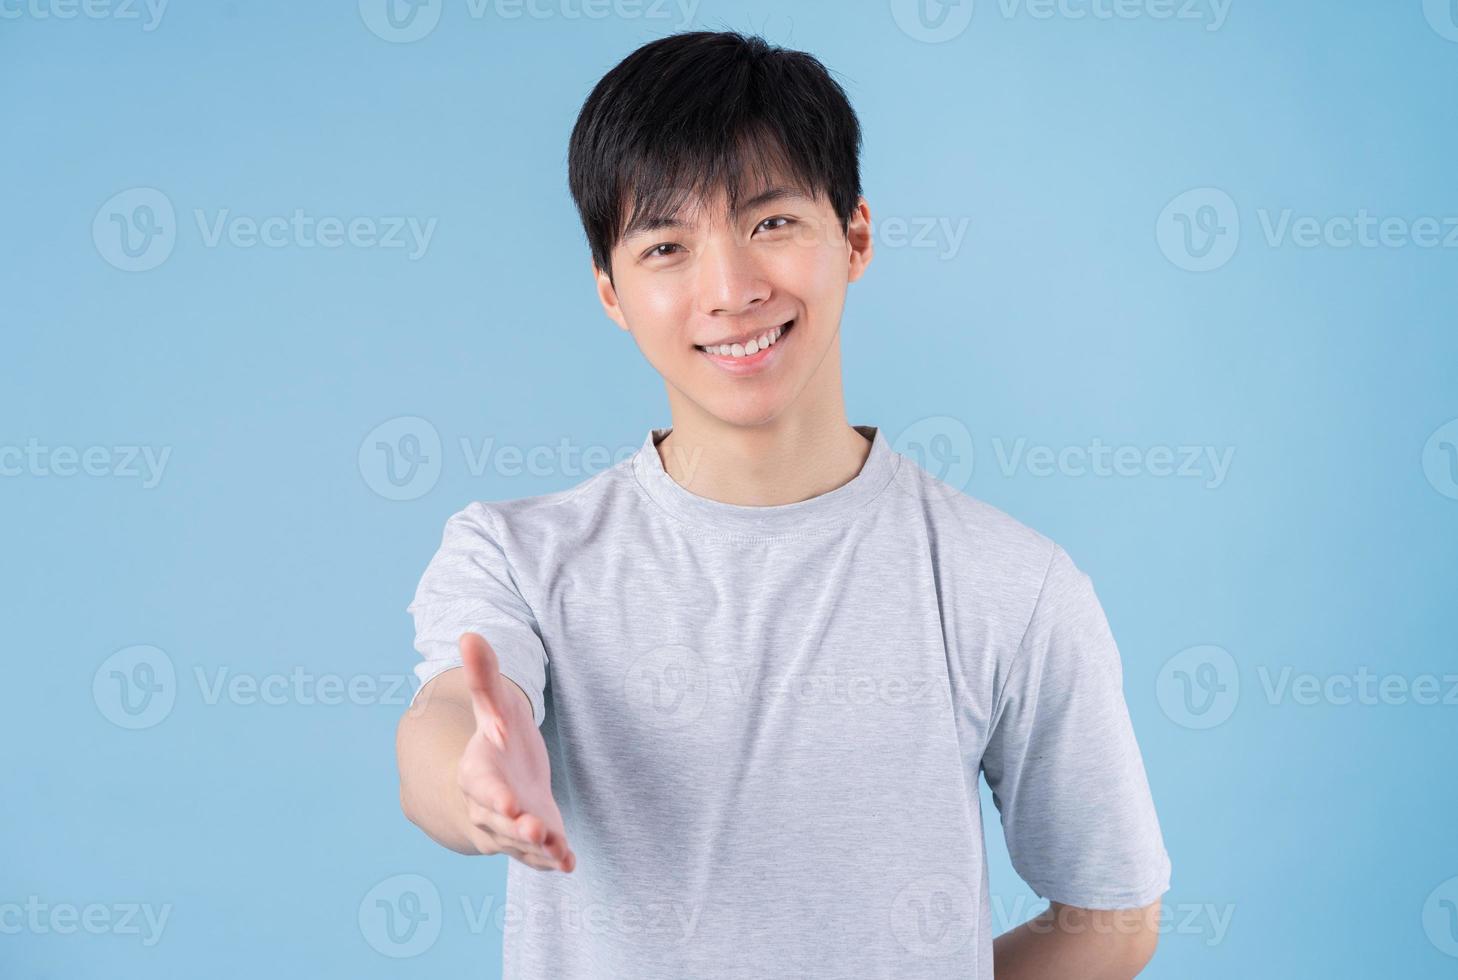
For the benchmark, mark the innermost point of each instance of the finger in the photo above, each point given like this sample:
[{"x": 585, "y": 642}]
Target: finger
[
  {"x": 533, "y": 829},
  {"x": 483, "y": 680},
  {"x": 526, "y": 832},
  {"x": 534, "y": 860},
  {"x": 486, "y": 789},
  {"x": 506, "y": 828}
]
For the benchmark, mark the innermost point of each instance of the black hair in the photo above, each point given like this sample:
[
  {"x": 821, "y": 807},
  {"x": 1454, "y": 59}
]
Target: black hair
[{"x": 698, "y": 111}]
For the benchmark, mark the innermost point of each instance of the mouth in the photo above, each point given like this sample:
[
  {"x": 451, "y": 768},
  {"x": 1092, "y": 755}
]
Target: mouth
[{"x": 755, "y": 351}]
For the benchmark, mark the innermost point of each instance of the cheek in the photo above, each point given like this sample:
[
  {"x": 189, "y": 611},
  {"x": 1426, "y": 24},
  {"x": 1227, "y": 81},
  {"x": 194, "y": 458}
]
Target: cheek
[
  {"x": 654, "y": 310},
  {"x": 814, "y": 272}
]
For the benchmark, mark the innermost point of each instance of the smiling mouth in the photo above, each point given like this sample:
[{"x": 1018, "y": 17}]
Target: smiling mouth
[{"x": 763, "y": 342}]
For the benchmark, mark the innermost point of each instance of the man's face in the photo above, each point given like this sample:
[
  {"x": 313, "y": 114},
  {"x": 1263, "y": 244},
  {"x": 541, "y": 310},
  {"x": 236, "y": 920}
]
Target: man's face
[{"x": 706, "y": 278}]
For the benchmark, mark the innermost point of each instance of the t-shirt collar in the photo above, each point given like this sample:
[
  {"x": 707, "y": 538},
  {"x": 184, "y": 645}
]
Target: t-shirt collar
[{"x": 827, "y": 510}]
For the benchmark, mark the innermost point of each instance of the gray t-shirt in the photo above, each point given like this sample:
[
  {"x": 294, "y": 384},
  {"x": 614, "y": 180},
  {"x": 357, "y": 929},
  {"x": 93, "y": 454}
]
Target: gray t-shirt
[{"x": 765, "y": 724}]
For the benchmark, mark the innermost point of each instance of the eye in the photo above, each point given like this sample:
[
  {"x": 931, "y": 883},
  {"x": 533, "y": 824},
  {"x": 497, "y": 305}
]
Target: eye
[
  {"x": 787, "y": 221},
  {"x": 654, "y": 253}
]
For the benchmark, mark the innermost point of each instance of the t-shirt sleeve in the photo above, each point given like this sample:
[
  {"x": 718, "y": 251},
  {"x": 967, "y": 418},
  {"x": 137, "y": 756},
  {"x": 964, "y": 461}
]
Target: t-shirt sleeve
[
  {"x": 1062, "y": 762},
  {"x": 468, "y": 587}
]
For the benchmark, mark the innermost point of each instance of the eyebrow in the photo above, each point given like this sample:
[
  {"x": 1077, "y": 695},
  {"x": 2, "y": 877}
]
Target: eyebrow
[{"x": 656, "y": 222}]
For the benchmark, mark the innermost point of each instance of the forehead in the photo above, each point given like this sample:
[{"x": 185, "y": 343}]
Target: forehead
[{"x": 670, "y": 209}]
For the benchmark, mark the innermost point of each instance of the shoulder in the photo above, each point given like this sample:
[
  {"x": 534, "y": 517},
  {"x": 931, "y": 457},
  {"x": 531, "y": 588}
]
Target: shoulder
[
  {"x": 977, "y": 535},
  {"x": 994, "y": 565},
  {"x": 541, "y": 519}
]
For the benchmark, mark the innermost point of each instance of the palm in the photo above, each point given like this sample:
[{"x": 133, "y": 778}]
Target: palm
[{"x": 505, "y": 764}]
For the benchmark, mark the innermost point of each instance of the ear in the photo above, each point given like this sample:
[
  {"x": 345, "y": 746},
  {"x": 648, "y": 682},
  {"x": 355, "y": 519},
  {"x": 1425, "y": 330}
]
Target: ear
[
  {"x": 607, "y": 294},
  {"x": 858, "y": 236}
]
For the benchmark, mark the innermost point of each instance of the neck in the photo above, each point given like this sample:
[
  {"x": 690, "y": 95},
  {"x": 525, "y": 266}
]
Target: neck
[{"x": 805, "y": 451}]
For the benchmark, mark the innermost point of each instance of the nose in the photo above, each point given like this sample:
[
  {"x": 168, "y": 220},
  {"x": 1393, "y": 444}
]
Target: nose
[{"x": 730, "y": 281}]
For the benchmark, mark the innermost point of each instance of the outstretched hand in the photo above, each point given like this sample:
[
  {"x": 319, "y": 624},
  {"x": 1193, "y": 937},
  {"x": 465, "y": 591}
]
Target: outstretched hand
[{"x": 504, "y": 774}]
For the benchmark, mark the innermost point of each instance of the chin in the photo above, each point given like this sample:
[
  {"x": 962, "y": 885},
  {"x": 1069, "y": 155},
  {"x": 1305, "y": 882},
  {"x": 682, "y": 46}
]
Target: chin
[{"x": 746, "y": 412}]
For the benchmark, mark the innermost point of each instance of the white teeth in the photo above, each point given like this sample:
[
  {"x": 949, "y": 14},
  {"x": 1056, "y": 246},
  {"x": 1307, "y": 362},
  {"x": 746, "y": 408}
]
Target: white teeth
[{"x": 754, "y": 346}]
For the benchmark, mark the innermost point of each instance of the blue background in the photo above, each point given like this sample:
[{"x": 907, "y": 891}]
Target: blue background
[{"x": 1321, "y": 833}]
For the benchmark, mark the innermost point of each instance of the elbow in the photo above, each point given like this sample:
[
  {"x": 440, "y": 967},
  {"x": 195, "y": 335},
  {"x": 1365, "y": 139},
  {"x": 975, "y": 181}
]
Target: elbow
[
  {"x": 407, "y": 802},
  {"x": 1142, "y": 940},
  {"x": 1120, "y": 941}
]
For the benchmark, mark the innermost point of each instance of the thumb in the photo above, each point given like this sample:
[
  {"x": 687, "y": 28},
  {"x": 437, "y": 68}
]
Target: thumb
[{"x": 483, "y": 681}]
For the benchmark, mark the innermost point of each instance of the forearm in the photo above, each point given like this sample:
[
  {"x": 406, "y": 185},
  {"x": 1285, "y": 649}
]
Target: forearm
[
  {"x": 1069, "y": 942},
  {"x": 428, "y": 746}
]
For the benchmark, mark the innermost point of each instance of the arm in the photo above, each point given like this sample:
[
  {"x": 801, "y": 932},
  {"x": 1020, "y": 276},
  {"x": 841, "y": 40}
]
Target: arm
[
  {"x": 1088, "y": 944},
  {"x": 1068, "y": 779},
  {"x": 474, "y": 773}
]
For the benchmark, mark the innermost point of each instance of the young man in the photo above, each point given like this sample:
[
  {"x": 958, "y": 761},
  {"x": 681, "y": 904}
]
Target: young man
[{"x": 725, "y": 704}]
